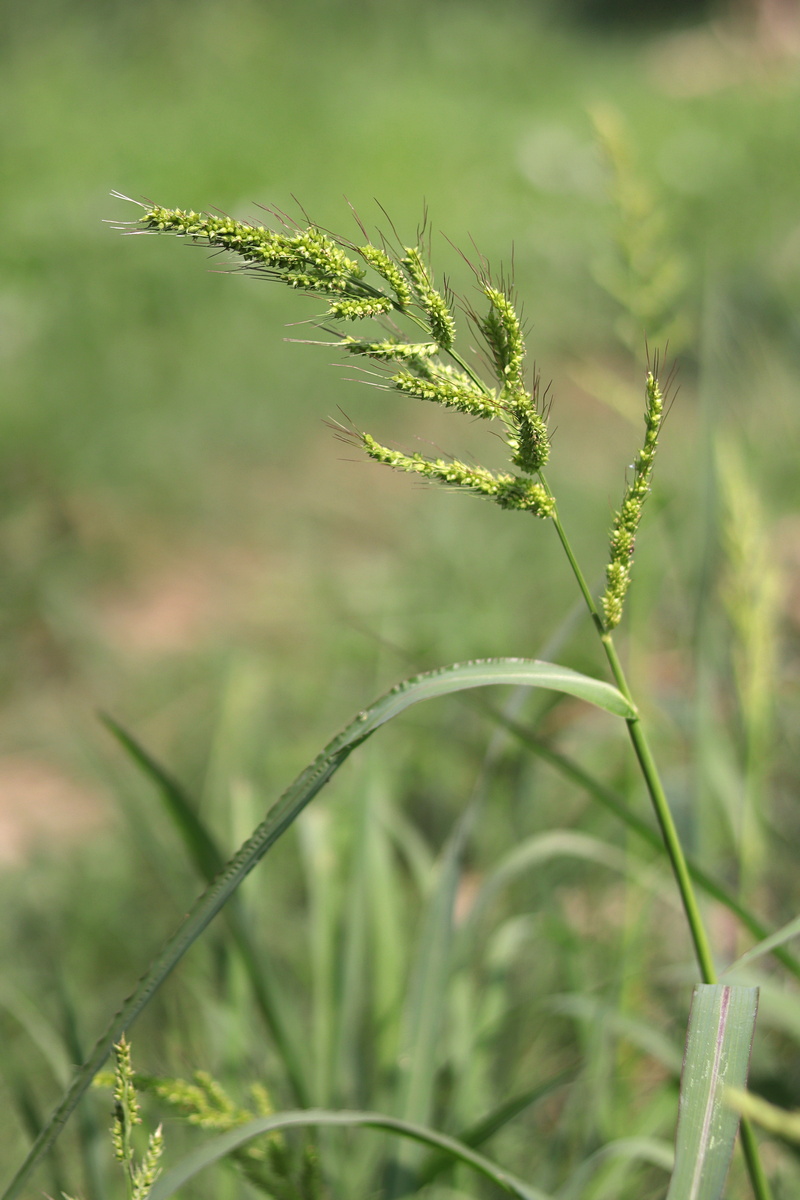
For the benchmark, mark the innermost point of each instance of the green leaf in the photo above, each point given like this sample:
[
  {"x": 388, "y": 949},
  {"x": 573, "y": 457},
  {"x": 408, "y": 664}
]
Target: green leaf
[
  {"x": 219, "y": 1147},
  {"x": 779, "y": 938},
  {"x": 520, "y": 671},
  {"x": 456, "y": 678},
  {"x": 717, "y": 1057},
  {"x": 491, "y": 1123}
]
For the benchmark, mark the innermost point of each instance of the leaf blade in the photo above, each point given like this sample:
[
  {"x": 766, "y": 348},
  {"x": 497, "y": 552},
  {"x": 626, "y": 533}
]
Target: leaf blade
[
  {"x": 717, "y": 1057},
  {"x": 310, "y": 781},
  {"x": 218, "y": 1147}
]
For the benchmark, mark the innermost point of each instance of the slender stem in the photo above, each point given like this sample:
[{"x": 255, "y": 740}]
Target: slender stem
[
  {"x": 652, "y": 779},
  {"x": 680, "y": 869},
  {"x": 755, "y": 1167}
]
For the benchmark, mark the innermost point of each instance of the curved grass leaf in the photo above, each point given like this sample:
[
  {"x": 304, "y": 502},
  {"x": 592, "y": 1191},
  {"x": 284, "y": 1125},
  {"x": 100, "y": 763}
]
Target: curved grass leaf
[
  {"x": 219, "y": 1147},
  {"x": 717, "y": 1057},
  {"x": 446, "y": 680},
  {"x": 490, "y": 1124}
]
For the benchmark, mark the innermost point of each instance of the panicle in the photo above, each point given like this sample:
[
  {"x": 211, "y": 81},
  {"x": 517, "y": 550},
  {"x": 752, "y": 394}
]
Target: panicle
[
  {"x": 390, "y": 350},
  {"x": 141, "y": 1177},
  {"x": 144, "y": 1176},
  {"x": 430, "y": 370},
  {"x": 503, "y": 333},
  {"x": 528, "y": 437},
  {"x": 126, "y": 1104},
  {"x": 351, "y": 308}
]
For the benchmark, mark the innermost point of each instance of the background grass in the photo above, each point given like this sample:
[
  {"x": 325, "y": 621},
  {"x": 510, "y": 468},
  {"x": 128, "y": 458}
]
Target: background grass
[{"x": 185, "y": 545}]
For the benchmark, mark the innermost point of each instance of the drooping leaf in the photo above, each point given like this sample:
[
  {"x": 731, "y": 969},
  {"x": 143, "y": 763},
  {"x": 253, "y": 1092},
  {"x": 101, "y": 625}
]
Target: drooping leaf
[
  {"x": 220, "y": 1146},
  {"x": 446, "y": 680}
]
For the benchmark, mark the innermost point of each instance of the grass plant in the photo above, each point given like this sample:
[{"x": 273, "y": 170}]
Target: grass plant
[{"x": 421, "y": 1027}]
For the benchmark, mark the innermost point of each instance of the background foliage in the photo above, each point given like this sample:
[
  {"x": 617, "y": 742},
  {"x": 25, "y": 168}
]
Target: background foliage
[{"x": 184, "y": 545}]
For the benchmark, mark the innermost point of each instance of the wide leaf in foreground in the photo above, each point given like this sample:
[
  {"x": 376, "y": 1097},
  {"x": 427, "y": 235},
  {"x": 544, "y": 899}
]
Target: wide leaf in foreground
[{"x": 717, "y": 1058}]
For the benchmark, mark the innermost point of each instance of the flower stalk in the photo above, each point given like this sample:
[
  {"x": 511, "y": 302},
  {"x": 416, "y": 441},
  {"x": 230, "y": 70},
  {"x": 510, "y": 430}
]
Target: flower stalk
[{"x": 384, "y": 285}]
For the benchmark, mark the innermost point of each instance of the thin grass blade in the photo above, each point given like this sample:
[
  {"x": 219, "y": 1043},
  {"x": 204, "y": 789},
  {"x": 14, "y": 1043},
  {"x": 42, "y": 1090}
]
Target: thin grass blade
[
  {"x": 492, "y": 1123},
  {"x": 779, "y": 938},
  {"x": 424, "y": 1012}
]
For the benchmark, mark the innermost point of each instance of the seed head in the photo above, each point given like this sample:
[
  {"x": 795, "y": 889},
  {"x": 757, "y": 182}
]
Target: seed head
[
  {"x": 450, "y": 389},
  {"x": 389, "y": 270},
  {"x": 352, "y": 309},
  {"x": 509, "y": 491},
  {"x": 626, "y": 521},
  {"x": 443, "y": 326}
]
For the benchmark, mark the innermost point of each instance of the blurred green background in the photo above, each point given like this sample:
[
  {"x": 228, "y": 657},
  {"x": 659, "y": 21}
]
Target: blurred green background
[{"x": 183, "y": 542}]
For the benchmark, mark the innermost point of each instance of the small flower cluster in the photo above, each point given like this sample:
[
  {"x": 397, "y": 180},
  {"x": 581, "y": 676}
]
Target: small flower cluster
[
  {"x": 451, "y": 389},
  {"x": 626, "y": 521},
  {"x": 203, "y": 1102},
  {"x": 317, "y": 263},
  {"x": 388, "y": 269},
  {"x": 126, "y": 1116},
  {"x": 390, "y": 350}
]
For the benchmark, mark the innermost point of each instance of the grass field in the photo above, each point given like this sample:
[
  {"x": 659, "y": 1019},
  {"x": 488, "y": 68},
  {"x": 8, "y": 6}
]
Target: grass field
[{"x": 187, "y": 547}]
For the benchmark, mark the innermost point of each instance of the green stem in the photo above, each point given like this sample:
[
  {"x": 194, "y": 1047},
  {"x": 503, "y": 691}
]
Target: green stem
[
  {"x": 755, "y": 1169},
  {"x": 652, "y": 779},
  {"x": 680, "y": 869},
  {"x": 651, "y": 776}
]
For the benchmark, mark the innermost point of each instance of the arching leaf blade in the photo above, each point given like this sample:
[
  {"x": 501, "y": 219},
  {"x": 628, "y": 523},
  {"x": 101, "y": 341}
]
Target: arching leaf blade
[
  {"x": 428, "y": 686},
  {"x": 220, "y": 1146}
]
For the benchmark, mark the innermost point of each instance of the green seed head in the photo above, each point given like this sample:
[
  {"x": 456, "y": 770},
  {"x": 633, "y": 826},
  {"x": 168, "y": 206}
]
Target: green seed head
[
  {"x": 626, "y": 521},
  {"x": 450, "y": 389},
  {"x": 355, "y": 309},
  {"x": 389, "y": 270},
  {"x": 508, "y": 491},
  {"x": 443, "y": 326},
  {"x": 432, "y": 370}
]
